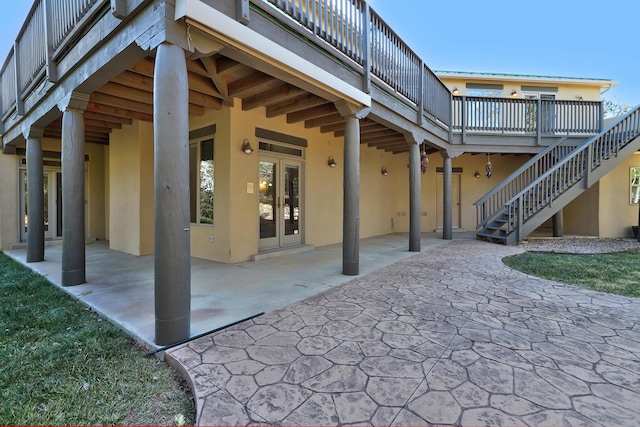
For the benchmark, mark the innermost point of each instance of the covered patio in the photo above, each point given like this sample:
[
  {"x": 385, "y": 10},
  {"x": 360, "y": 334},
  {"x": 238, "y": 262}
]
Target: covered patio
[{"x": 121, "y": 286}]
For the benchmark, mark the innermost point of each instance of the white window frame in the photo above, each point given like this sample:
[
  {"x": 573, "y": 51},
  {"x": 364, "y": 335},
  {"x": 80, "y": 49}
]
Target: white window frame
[{"x": 634, "y": 185}]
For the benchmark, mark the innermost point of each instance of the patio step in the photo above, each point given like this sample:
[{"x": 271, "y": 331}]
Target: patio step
[{"x": 289, "y": 250}]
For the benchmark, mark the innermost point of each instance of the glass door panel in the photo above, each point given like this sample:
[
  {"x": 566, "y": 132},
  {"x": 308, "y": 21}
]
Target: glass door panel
[
  {"x": 267, "y": 203},
  {"x": 291, "y": 204},
  {"x": 279, "y": 204}
]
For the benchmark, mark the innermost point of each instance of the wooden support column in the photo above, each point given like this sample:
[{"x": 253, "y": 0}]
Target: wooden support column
[
  {"x": 447, "y": 205},
  {"x": 172, "y": 262},
  {"x": 35, "y": 195},
  {"x": 73, "y": 250},
  {"x": 558, "y": 224},
  {"x": 415, "y": 192},
  {"x": 351, "y": 184}
]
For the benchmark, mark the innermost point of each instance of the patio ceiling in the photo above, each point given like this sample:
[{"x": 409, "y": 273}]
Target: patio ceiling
[{"x": 214, "y": 81}]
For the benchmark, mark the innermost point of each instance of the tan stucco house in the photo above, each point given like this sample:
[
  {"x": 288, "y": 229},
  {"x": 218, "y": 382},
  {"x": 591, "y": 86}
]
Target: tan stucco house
[{"x": 231, "y": 130}]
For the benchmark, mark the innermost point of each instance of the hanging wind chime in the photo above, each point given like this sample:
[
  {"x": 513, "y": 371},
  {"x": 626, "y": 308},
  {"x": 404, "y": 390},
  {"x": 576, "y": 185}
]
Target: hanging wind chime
[
  {"x": 424, "y": 160},
  {"x": 489, "y": 166}
]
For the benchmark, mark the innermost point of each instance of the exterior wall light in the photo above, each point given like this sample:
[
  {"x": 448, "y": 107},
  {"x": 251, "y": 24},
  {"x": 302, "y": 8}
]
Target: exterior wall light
[
  {"x": 455, "y": 91},
  {"x": 579, "y": 97},
  {"x": 331, "y": 162},
  {"x": 246, "y": 147},
  {"x": 514, "y": 93},
  {"x": 476, "y": 174},
  {"x": 384, "y": 171}
]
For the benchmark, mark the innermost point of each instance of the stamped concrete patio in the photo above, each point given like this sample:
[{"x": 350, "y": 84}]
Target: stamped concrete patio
[{"x": 449, "y": 336}]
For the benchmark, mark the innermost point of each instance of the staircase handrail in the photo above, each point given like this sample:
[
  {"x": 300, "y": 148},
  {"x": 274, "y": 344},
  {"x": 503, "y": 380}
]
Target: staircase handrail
[
  {"x": 588, "y": 163},
  {"x": 530, "y": 169}
]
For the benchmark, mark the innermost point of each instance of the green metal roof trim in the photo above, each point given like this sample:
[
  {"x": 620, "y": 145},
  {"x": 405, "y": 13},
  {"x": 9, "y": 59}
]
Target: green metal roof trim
[{"x": 480, "y": 74}]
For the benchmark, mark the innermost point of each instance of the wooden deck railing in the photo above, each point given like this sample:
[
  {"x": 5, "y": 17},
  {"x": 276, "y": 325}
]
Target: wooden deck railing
[
  {"x": 43, "y": 39},
  {"x": 599, "y": 152},
  {"x": 538, "y": 117},
  {"x": 353, "y": 28}
]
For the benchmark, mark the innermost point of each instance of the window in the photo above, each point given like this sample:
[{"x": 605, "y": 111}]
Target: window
[
  {"x": 484, "y": 114},
  {"x": 635, "y": 185},
  {"x": 201, "y": 181}
]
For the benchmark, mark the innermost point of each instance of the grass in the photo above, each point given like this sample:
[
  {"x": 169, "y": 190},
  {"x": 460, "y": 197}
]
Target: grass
[
  {"x": 61, "y": 364},
  {"x": 615, "y": 273}
]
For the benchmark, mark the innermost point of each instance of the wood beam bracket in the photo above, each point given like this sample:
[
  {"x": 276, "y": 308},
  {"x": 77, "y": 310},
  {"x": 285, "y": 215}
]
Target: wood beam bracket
[
  {"x": 200, "y": 44},
  {"x": 348, "y": 109},
  {"x": 74, "y": 101}
]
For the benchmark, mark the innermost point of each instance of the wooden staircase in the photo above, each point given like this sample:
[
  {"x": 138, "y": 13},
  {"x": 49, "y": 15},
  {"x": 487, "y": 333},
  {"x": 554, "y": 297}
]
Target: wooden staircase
[{"x": 551, "y": 180}]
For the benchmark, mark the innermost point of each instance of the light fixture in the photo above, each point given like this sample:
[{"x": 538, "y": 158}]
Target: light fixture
[
  {"x": 514, "y": 93},
  {"x": 246, "y": 147},
  {"x": 476, "y": 174},
  {"x": 331, "y": 162},
  {"x": 384, "y": 171},
  {"x": 455, "y": 91},
  {"x": 579, "y": 97}
]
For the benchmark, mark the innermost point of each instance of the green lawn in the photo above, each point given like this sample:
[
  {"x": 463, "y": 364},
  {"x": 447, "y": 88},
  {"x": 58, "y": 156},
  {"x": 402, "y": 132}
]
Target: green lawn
[
  {"x": 60, "y": 363},
  {"x": 615, "y": 273}
]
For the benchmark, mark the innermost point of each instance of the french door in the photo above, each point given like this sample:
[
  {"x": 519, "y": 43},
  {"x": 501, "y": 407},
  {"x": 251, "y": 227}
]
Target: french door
[
  {"x": 280, "y": 202},
  {"x": 52, "y": 188}
]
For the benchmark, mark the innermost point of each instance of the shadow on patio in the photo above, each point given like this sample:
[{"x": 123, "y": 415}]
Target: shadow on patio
[{"x": 120, "y": 286}]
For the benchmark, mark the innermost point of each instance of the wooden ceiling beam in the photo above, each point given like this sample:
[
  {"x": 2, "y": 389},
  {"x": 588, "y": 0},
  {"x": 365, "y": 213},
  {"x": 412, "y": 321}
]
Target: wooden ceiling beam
[
  {"x": 227, "y": 66},
  {"x": 254, "y": 82},
  {"x": 102, "y": 123},
  {"x": 326, "y": 120},
  {"x": 203, "y": 100},
  {"x": 144, "y": 67},
  {"x": 134, "y": 80},
  {"x": 372, "y": 132},
  {"x": 311, "y": 113},
  {"x": 203, "y": 84},
  {"x": 127, "y": 92},
  {"x": 277, "y": 95},
  {"x": 382, "y": 139},
  {"x": 294, "y": 105},
  {"x": 107, "y": 117},
  {"x": 122, "y": 103},
  {"x": 118, "y": 112}
]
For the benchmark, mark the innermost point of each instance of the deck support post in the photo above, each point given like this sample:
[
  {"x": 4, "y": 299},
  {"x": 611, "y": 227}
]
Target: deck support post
[
  {"x": 351, "y": 183},
  {"x": 447, "y": 212},
  {"x": 172, "y": 262},
  {"x": 558, "y": 224},
  {"x": 35, "y": 195},
  {"x": 73, "y": 227},
  {"x": 415, "y": 191}
]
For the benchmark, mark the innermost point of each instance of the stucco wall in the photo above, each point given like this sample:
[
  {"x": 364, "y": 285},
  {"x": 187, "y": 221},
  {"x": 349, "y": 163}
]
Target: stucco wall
[
  {"x": 565, "y": 91},
  {"x": 95, "y": 203},
  {"x": 580, "y": 217},
  {"x": 131, "y": 189},
  {"x": 9, "y": 199},
  {"x": 617, "y": 215}
]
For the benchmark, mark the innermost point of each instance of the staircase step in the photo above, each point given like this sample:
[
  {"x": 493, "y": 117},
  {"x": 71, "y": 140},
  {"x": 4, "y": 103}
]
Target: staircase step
[{"x": 492, "y": 237}]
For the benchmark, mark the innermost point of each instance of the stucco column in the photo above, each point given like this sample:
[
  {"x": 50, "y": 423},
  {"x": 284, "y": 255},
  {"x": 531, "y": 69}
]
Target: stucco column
[
  {"x": 172, "y": 262},
  {"x": 73, "y": 250},
  {"x": 415, "y": 192},
  {"x": 351, "y": 184},
  {"x": 447, "y": 227},
  {"x": 558, "y": 224},
  {"x": 35, "y": 196}
]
